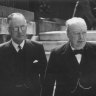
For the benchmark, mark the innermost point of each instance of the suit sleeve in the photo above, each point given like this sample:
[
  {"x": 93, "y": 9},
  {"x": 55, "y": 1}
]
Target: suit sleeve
[{"x": 50, "y": 77}]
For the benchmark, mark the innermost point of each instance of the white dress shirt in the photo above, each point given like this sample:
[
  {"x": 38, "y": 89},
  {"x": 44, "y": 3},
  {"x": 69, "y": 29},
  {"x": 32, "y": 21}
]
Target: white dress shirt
[
  {"x": 78, "y": 56},
  {"x": 16, "y": 45}
]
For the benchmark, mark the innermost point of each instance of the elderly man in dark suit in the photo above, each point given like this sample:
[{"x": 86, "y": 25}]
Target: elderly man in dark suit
[
  {"x": 71, "y": 68},
  {"x": 22, "y": 62}
]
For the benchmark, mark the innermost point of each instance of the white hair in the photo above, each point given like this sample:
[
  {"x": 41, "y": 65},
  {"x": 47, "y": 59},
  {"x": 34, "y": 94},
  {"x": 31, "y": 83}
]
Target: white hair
[
  {"x": 14, "y": 15},
  {"x": 75, "y": 21}
]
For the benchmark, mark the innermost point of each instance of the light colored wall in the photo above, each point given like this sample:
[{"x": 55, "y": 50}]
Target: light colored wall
[{"x": 5, "y": 11}]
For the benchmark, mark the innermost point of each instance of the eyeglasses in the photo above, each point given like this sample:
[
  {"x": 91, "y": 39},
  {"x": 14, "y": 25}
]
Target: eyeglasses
[{"x": 17, "y": 28}]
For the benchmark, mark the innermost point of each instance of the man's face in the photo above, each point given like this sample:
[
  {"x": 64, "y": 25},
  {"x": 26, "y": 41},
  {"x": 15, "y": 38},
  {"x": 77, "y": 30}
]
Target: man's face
[
  {"x": 77, "y": 36},
  {"x": 17, "y": 29}
]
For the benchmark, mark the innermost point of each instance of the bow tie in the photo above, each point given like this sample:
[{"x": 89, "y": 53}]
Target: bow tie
[{"x": 78, "y": 51}]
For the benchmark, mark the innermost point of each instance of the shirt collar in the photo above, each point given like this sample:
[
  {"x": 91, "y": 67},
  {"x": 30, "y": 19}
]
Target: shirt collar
[
  {"x": 72, "y": 47},
  {"x": 16, "y": 45}
]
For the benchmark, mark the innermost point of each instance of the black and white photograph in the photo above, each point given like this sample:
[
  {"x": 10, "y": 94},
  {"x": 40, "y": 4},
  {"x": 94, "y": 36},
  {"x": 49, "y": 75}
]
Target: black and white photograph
[{"x": 47, "y": 47}]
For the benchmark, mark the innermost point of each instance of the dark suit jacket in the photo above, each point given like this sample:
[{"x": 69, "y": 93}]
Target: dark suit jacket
[
  {"x": 22, "y": 74},
  {"x": 64, "y": 70}
]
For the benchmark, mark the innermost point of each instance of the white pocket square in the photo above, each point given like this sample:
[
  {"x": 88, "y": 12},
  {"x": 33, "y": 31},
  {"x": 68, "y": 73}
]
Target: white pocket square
[{"x": 35, "y": 61}]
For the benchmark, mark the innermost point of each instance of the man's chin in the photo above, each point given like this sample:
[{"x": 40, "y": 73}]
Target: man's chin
[
  {"x": 21, "y": 38},
  {"x": 18, "y": 41},
  {"x": 81, "y": 47}
]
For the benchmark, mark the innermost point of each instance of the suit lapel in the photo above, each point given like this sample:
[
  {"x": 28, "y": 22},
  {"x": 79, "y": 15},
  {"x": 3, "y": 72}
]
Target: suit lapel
[
  {"x": 11, "y": 47},
  {"x": 84, "y": 59},
  {"x": 29, "y": 50},
  {"x": 10, "y": 59},
  {"x": 29, "y": 56},
  {"x": 70, "y": 57}
]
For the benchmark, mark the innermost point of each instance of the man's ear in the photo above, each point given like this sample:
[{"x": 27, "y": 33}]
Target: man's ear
[
  {"x": 67, "y": 31},
  {"x": 9, "y": 30}
]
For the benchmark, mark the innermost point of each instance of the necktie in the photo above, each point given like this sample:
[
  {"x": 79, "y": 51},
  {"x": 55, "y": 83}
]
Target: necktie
[
  {"x": 78, "y": 51},
  {"x": 19, "y": 47}
]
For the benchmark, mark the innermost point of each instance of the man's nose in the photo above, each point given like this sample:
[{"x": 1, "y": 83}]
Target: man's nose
[
  {"x": 81, "y": 35},
  {"x": 20, "y": 30}
]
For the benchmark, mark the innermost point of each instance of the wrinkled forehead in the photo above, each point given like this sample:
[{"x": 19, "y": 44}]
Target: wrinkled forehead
[{"x": 77, "y": 27}]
